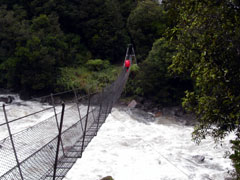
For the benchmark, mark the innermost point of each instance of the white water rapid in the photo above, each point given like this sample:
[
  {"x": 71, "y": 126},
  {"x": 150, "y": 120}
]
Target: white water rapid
[
  {"x": 130, "y": 148},
  {"x": 127, "y": 149}
]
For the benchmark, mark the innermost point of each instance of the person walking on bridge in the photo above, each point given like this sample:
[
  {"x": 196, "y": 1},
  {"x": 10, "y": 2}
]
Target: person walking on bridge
[{"x": 127, "y": 64}]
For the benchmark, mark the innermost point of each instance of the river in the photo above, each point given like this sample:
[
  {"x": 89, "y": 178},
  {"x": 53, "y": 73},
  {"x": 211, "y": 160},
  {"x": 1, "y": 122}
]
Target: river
[{"x": 129, "y": 147}]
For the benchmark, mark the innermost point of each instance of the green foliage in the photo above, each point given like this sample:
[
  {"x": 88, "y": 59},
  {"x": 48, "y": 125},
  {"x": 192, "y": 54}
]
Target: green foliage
[
  {"x": 39, "y": 55},
  {"x": 31, "y": 51},
  {"x": 207, "y": 38},
  {"x": 236, "y": 155},
  {"x": 153, "y": 80},
  {"x": 38, "y": 7},
  {"x": 99, "y": 23},
  {"x": 13, "y": 31},
  {"x": 76, "y": 53},
  {"x": 172, "y": 11},
  {"x": 126, "y": 6},
  {"x": 135, "y": 68},
  {"x": 97, "y": 64},
  {"x": 85, "y": 79},
  {"x": 146, "y": 23}
]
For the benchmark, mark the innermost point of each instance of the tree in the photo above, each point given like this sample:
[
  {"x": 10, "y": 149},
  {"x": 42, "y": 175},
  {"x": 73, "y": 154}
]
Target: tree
[
  {"x": 13, "y": 31},
  {"x": 8, "y": 4},
  {"x": 146, "y": 23},
  {"x": 126, "y": 6},
  {"x": 100, "y": 25},
  {"x": 154, "y": 81},
  {"x": 207, "y": 37},
  {"x": 33, "y": 65}
]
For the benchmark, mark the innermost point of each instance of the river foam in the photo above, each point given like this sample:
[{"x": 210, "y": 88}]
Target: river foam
[
  {"x": 133, "y": 147},
  {"x": 128, "y": 149}
]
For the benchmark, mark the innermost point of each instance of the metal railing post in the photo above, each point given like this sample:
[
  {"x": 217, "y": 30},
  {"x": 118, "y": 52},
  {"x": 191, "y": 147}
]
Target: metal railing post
[
  {"x": 106, "y": 111},
  {"x": 55, "y": 113},
  {"x": 76, "y": 99},
  {"x": 85, "y": 127},
  {"x": 134, "y": 55},
  {"x": 13, "y": 146},
  {"x": 100, "y": 109},
  {"x": 127, "y": 52},
  {"x": 58, "y": 142}
]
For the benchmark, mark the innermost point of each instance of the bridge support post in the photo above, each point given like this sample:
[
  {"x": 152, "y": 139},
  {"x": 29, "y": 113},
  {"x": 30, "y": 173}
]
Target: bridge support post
[
  {"x": 12, "y": 142},
  {"x": 76, "y": 100},
  {"x": 55, "y": 113},
  {"x": 58, "y": 142},
  {"x": 85, "y": 127},
  {"x": 100, "y": 109}
]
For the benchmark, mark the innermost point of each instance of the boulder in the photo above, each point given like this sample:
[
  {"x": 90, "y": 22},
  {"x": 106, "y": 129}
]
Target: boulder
[
  {"x": 173, "y": 111},
  {"x": 132, "y": 104},
  {"x": 158, "y": 114},
  {"x": 148, "y": 105},
  {"x": 107, "y": 178},
  {"x": 199, "y": 158},
  {"x": 7, "y": 99},
  {"x": 141, "y": 115}
]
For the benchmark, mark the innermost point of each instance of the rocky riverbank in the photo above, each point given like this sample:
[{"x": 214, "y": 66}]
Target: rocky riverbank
[{"x": 147, "y": 111}]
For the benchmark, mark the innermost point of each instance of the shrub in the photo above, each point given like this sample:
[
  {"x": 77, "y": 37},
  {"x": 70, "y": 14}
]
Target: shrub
[
  {"x": 97, "y": 64},
  {"x": 84, "y": 79},
  {"x": 236, "y": 156}
]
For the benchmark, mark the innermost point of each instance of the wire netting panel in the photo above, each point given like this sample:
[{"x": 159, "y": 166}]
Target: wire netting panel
[
  {"x": 36, "y": 145},
  {"x": 40, "y": 162},
  {"x": 27, "y": 143},
  {"x": 33, "y": 147},
  {"x": 71, "y": 135},
  {"x": 8, "y": 160},
  {"x": 14, "y": 175}
]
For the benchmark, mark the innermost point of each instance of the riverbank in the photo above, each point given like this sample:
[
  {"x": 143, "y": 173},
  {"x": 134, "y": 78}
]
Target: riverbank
[{"x": 171, "y": 114}]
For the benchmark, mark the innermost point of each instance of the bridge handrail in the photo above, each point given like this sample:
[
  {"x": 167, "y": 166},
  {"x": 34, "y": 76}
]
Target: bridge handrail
[
  {"x": 11, "y": 121},
  {"x": 37, "y": 112},
  {"x": 36, "y": 148}
]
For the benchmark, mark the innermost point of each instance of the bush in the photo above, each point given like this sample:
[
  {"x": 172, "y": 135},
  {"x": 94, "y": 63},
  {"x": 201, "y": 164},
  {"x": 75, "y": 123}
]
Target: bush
[
  {"x": 235, "y": 157},
  {"x": 153, "y": 79},
  {"x": 97, "y": 64},
  {"x": 135, "y": 68},
  {"x": 84, "y": 79}
]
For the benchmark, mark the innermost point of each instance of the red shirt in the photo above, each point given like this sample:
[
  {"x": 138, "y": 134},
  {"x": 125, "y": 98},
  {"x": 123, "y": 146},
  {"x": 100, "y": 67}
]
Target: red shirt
[{"x": 127, "y": 63}]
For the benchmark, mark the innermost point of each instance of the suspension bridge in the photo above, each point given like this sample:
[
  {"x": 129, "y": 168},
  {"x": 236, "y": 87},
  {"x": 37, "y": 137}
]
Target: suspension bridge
[{"x": 48, "y": 150}]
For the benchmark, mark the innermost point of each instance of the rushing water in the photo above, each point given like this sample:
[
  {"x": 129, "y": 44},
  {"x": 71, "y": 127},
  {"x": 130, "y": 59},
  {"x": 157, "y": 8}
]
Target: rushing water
[
  {"x": 20, "y": 108},
  {"x": 131, "y": 147}
]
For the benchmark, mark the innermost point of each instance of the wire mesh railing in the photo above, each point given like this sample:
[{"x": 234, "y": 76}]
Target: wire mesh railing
[{"x": 50, "y": 146}]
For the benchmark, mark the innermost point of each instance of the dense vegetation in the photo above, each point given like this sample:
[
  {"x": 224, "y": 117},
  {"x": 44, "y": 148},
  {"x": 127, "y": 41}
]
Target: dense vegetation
[
  {"x": 44, "y": 42},
  {"x": 206, "y": 36},
  {"x": 188, "y": 52}
]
